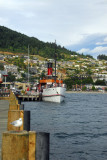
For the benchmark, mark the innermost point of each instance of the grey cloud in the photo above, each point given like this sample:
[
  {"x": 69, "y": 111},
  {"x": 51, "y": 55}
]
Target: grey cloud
[{"x": 75, "y": 24}]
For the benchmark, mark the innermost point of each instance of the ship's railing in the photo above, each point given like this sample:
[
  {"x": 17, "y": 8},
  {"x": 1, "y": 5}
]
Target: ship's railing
[{"x": 54, "y": 85}]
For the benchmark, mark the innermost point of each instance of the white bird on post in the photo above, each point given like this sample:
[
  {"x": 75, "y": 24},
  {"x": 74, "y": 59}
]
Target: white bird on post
[{"x": 17, "y": 123}]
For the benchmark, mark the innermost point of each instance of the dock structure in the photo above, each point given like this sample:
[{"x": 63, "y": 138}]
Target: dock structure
[
  {"x": 29, "y": 97},
  {"x": 4, "y": 107},
  {"x": 4, "y": 95},
  {"x": 21, "y": 97},
  {"x": 19, "y": 142},
  {"x": 25, "y": 145}
]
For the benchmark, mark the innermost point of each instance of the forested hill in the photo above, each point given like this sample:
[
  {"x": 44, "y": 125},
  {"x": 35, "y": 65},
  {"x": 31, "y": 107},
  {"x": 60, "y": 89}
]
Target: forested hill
[
  {"x": 12, "y": 41},
  {"x": 102, "y": 57}
]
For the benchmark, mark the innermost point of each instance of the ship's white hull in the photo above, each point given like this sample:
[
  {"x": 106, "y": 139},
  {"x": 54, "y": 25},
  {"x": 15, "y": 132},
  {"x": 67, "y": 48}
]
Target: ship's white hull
[{"x": 54, "y": 94}]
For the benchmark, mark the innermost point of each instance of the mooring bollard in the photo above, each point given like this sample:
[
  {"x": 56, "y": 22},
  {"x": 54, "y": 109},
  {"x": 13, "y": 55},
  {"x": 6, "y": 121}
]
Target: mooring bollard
[
  {"x": 15, "y": 115},
  {"x": 25, "y": 145}
]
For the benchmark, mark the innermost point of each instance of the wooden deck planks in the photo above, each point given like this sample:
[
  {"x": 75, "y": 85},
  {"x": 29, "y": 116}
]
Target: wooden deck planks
[{"x": 4, "y": 107}]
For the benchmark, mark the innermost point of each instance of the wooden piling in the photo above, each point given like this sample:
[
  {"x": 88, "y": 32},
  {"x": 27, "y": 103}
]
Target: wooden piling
[
  {"x": 25, "y": 145},
  {"x": 15, "y": 115},
  {"x": 32, "y": 145},
  {"x": 15, "y": 145},
  {"x": 20, "y": 143},
  {"x": 42, "y": 146},
  {"x": 13, "y": 104}
]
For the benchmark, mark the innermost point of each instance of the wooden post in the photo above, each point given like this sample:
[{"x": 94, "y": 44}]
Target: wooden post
[
  {"x": 25, "y": 145},
  {"x": 13, "y": 105},
  {"x": 17, "y": 145},
  {"x": 42, "y": 146},
  {"x": 27, "y": 120},
  {"x": 14, "y": 115},
  {"x": 32, "y": 145}
]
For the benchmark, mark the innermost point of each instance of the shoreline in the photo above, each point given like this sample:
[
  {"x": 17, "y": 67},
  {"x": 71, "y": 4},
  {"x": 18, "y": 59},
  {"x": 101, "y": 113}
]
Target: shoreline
[{"x": 90, "y": 92}]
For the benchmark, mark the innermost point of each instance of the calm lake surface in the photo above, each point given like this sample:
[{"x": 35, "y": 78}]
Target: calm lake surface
[{"x": 77, "y": 127}]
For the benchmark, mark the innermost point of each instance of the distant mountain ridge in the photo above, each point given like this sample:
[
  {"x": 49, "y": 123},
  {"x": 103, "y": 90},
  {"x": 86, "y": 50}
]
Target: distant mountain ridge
[{"x": 15, "y": 42}]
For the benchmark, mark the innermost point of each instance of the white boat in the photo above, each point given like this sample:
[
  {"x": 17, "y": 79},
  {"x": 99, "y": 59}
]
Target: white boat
[
  {"x": 54, "y": 94},
  {"x": 52, "y": 90}
]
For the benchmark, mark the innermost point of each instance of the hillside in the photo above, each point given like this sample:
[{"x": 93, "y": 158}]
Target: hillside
[
  {"x": 12, "y": 41},
  {"x": 102, "y": 57}
]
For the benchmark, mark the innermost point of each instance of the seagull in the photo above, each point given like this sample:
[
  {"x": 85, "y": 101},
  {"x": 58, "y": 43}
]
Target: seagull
[{"x": 17, "y": 123}]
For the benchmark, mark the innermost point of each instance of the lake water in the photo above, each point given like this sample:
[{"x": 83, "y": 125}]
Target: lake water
[{"x": 77, "y": 127}]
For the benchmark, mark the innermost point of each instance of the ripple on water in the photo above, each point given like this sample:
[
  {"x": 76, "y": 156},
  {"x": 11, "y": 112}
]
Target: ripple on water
[{"x": 78, "y": 127}]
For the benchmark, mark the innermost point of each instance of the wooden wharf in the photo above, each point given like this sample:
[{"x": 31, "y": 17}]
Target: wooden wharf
[
  {"x": 29, "y": 97},
  {"x": 24, "y": 97},
  {"x": 4, "y": 95},
  {"x": 4, "y": 107},
  {"x": 19, "y": 142}
]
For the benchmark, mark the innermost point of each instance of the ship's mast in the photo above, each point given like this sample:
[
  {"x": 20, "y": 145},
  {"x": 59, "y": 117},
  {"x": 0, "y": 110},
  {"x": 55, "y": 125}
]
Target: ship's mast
[
  {"x": 28, "y": 64},
  {"x": 55, "y": 61}
]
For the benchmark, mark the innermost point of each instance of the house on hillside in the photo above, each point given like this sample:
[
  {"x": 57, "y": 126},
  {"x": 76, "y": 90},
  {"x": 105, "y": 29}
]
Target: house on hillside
[
  {"x": 1, "y": 58},
  {"x": 98, "y": 76},
  {"x": 32, "y": 70},
  {"x": 11, "y": 68}
]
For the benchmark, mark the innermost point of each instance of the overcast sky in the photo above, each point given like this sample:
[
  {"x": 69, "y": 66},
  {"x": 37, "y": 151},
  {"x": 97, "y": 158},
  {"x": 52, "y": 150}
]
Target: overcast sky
[{"x": 79, "y": 25}]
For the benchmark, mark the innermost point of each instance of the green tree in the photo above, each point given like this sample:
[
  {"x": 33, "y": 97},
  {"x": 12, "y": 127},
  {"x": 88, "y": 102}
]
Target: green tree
[
  {"x": 106, "y": 89},
  {"x": 69, "y": 83},
  {"x": 42, "y": 74},
  {"x": 93, "y": 88},
  {"x": 1, "y": 66},
  {"x": 102, "y": 57},
  {"x": 89, "y": 72},
  {"x": 18, "y": 43},
  {"x": 10, "y": 77},
  {"x": 84, "y": 88},
  {"x": 100, "y": 82}
]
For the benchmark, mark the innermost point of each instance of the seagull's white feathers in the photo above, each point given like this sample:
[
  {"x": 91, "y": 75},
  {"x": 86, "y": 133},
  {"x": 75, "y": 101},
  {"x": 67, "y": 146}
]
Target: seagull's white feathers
[{"x": 17, "y": 123}]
